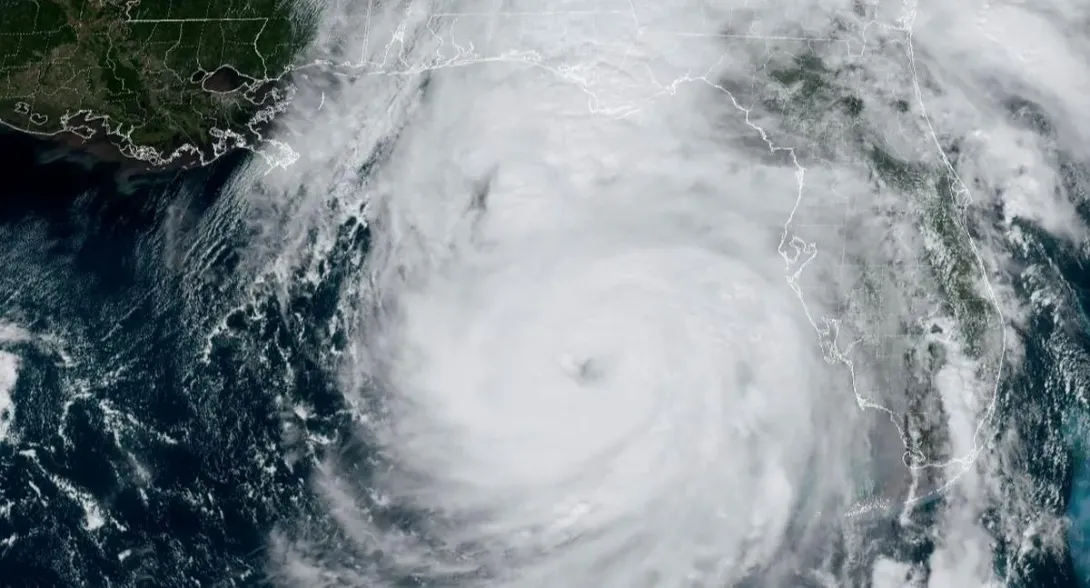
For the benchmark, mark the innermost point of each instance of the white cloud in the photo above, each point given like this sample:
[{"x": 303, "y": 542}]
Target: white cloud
[
  {"x": 597, "y": 370},
  {"x": 9, "y": 371}
]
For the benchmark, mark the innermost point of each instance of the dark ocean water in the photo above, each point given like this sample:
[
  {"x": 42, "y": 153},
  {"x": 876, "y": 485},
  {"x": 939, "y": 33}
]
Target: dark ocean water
[
  {"x": 1042, "y": 414},
  {"x": 154, "y": 388},
  {"x": 158, "y": 438},
  {"x": 1063, "y": 369}
]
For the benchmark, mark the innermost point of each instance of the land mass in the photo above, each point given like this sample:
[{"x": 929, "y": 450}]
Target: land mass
[{"x": 156, "y": 82}]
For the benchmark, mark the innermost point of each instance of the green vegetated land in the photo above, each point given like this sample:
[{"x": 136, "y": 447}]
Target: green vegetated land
[
  {"x": 158, "y": 74},
  {"x": 812, "y": 97}
]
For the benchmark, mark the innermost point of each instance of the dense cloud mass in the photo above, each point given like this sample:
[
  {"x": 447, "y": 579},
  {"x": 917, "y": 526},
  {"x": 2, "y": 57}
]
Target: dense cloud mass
[
  {"x": 679, "y": 294},
  {"x": 571, "y": 294}
]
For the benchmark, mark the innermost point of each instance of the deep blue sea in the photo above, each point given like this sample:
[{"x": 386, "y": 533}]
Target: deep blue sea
[
  {"x": 148, "y": 444},
  {"x": 154, "y": 440}
]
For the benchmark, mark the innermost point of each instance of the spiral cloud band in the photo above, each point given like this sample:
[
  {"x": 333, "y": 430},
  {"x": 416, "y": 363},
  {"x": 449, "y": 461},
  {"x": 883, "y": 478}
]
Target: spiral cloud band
[
  {"x": 696, "y": 293},
  {"x": 652, "y": 408},
  {"x": 597, "y": 374},
  {"x": 627, "y": 319}
]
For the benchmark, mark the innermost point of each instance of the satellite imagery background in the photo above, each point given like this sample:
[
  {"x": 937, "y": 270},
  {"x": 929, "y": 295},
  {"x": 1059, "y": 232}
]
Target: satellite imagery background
[{"x": 553, "y": 293}]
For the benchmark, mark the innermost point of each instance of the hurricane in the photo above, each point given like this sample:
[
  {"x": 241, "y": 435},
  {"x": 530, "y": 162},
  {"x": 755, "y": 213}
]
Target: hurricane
[
  {"x": 556, "y": 294},
  {"x": 597, "y": 345},
  {"x": 600, "y": 361}
]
